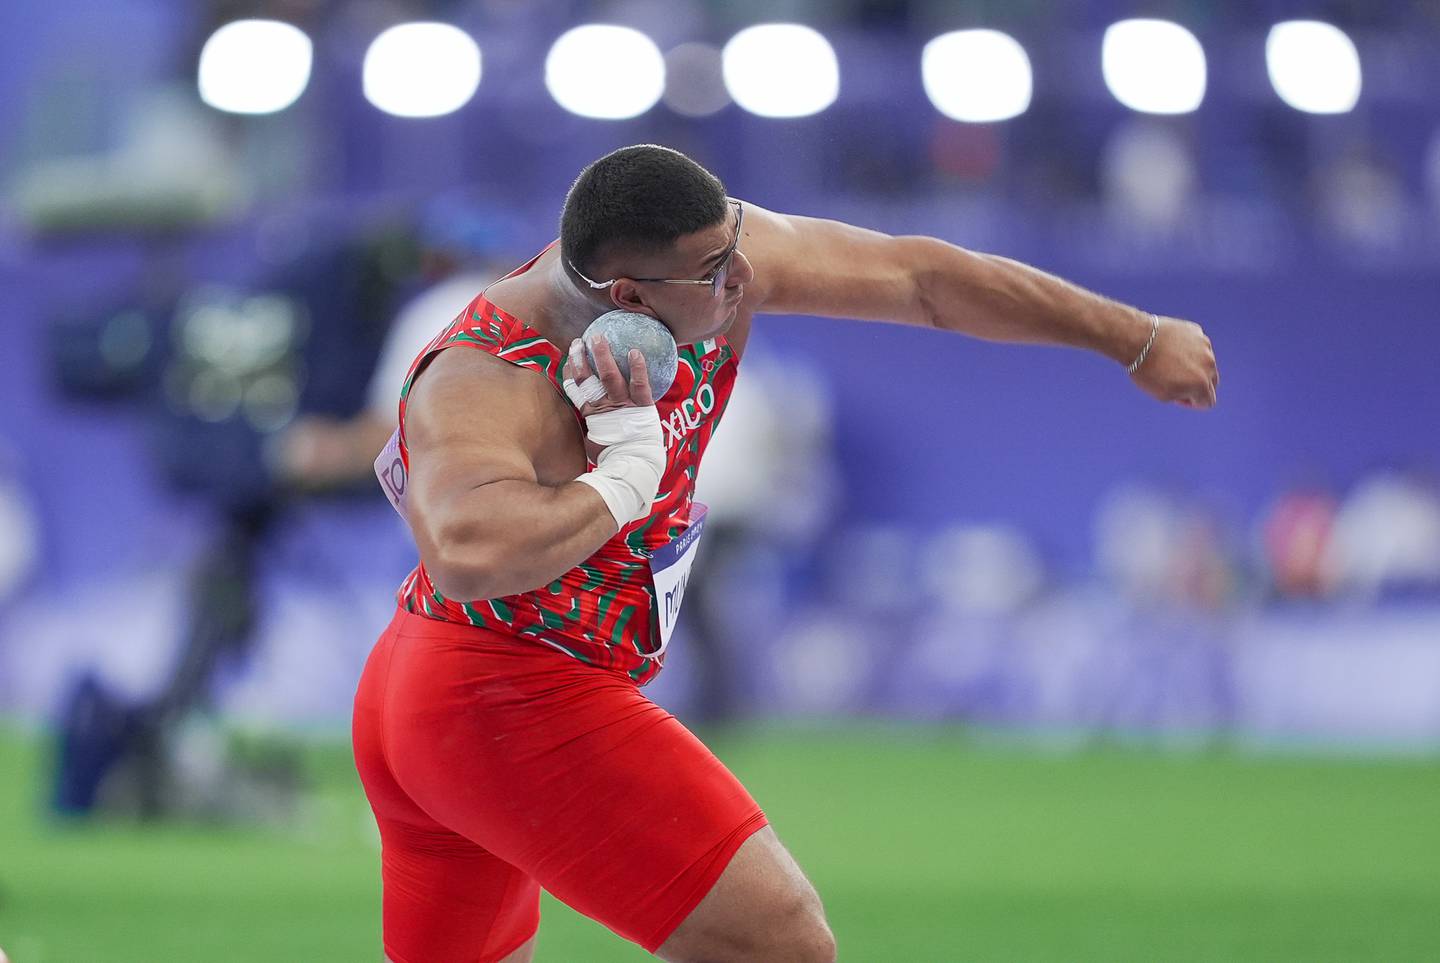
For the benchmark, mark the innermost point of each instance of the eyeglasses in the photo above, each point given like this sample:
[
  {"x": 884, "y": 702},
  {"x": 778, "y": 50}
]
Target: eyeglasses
[{"x": 716, "y": 278}]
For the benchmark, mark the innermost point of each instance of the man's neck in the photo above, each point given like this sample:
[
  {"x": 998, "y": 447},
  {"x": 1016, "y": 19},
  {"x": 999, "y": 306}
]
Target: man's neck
[{"x": 547, "y": 299}]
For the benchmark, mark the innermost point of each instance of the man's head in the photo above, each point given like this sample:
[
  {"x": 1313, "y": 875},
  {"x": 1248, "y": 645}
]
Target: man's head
[{"x": 644, "y": 217}]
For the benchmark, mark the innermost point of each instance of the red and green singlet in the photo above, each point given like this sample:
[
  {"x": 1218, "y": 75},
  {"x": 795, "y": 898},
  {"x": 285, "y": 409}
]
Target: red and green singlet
[{"x": 602, "y": 610}]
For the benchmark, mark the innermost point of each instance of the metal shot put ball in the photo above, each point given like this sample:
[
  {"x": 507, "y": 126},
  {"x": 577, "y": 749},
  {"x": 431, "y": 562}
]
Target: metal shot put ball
[{"x": 629, "y": 329}]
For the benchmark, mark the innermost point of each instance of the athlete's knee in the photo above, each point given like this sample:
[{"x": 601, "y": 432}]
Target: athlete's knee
[
  {"x": 801, "y": 934},
  {"x": 762, "y": 908},
  {"x": 797, "y": 933},
  {"x": 791, "y": 928},
  {"x": 812, "y": 931}
]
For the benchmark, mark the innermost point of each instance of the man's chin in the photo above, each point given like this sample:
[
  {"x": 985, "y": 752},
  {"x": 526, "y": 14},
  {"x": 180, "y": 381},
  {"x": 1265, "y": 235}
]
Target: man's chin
[
  {"x": 726, "y": 325},
  {"x": 716, "y": 331}
]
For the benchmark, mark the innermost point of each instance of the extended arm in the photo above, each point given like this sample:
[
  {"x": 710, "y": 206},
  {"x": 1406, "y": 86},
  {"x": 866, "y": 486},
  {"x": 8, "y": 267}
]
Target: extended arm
[{"x": 807, "y": 265}]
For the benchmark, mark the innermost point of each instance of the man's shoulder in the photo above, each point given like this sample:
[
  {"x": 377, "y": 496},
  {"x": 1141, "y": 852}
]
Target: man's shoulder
[
  {"x": 470, "y": 405},
  {"x": 460, "y": 374}
]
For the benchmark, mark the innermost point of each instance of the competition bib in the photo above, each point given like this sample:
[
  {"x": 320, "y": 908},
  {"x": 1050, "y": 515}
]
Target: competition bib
[
  {"x": 390, "y": 469},
  {"x": 670, "y": 573}
]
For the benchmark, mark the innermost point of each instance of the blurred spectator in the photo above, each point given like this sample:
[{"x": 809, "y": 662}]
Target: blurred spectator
[
  {"x": 459, "y": 252},
  {"x": 1387, "y": 537},
  {"x": 773, "y": 468},
  {"x": 770, "y": 482},
  {"x": 1147, "y": 175},
  {"x": 1159, "y": 548},
  {"x": 1359, "y": 198},
  {"x": 230, "y": 343},
  {"x": 321, "y": 452},
  {"x": 981, "y": 570},
  {"x": 966, "y": 154},
  {"x": 1296, "y": 534},
  {"x": 19, "y": 531}
]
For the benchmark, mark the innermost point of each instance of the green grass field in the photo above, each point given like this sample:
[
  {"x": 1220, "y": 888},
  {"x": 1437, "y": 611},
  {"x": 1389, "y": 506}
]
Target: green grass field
[{"x": 925, "y": 844}]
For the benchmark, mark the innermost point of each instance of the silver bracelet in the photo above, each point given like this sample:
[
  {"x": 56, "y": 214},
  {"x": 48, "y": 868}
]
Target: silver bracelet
[{"x": 1145, "y": 351}]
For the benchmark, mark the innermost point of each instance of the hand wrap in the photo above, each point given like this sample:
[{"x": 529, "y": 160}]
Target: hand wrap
[
  {"x": 631, "y": 461},
  {"x": 583, "y": 393}
]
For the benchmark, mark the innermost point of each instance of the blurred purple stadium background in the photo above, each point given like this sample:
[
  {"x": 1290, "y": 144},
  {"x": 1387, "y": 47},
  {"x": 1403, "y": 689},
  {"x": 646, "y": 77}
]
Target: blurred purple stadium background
[{"x": 1006, "y": 535}]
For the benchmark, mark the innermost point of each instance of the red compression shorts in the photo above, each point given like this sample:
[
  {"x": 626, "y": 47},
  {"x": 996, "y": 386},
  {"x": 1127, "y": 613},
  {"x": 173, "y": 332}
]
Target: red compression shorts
[{"x": 496, "y": 766}]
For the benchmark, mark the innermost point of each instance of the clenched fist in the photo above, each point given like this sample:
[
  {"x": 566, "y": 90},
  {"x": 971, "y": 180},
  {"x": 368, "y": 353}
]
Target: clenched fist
[{"x": 1180, "y": 366}]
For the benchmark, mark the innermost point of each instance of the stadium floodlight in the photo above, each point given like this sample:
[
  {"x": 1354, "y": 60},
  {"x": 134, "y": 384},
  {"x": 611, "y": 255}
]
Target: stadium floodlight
[
  {"x": 1313, "y": 66},
  {"x": 254, "y": 66},
  {"x": 604, "y": 71},
  {"x": 421, "y": 69},
  {"x": 781, "y": 70},
  {"x": 978, "y": 76},
  {"x": 1153, "y": 66}
]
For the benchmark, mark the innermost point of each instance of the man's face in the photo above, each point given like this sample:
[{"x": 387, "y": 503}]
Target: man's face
[{"x": 692, "y": 312}]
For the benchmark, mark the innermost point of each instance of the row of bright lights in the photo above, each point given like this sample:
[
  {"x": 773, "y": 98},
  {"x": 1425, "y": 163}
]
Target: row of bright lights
[{"x": 773, "y": 70}]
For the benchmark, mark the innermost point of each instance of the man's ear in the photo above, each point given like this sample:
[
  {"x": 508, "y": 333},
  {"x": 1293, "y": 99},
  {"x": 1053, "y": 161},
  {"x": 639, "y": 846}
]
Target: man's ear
[{"x": 626, "y": 295}]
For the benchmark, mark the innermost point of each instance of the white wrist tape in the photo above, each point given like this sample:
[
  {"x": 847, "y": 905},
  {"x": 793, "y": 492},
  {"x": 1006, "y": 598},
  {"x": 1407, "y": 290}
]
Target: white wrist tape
[{"x": 631, "y": 461}]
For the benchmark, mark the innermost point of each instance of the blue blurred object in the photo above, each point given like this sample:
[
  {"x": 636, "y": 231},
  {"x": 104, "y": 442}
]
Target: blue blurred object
[
  {"x": 95, "y": 729},
  {"x": 459, "y": 224}
]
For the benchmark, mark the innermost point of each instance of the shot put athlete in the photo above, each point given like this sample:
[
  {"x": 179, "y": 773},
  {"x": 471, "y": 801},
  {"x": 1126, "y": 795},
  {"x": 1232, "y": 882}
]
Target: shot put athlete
[{"x": 500, "y": 730}]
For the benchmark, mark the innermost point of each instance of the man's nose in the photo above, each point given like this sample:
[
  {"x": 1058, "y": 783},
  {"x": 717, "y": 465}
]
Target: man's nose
[{"x": 741, "y": 272}]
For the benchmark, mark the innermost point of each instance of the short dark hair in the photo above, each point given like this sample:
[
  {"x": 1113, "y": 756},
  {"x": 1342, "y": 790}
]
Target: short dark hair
[{"x": 641, "y": 197}]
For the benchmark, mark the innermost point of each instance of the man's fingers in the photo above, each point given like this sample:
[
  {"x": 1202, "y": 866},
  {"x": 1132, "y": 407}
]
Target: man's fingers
[
  {"x": 609, "y": 371},
  {"x": 579, "y": 385},
  {"x": 578, "y": 367},
  {"x": 639, "y": 379},
  {"x": 616, "y": 391},
  {"x": 1200, "y": 398},
  {"x": 1206, "y": 396}
]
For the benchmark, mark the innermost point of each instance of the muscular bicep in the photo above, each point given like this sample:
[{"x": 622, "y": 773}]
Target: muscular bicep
[
  {"x": 471, "y": 421},
  {"x": 808, "y": 265}
]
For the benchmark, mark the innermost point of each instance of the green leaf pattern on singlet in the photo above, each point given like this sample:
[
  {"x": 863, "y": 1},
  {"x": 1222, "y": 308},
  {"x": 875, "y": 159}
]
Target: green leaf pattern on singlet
[
  {"x": 617, "y": 635},
  {"x": 594, "y": 578}
]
